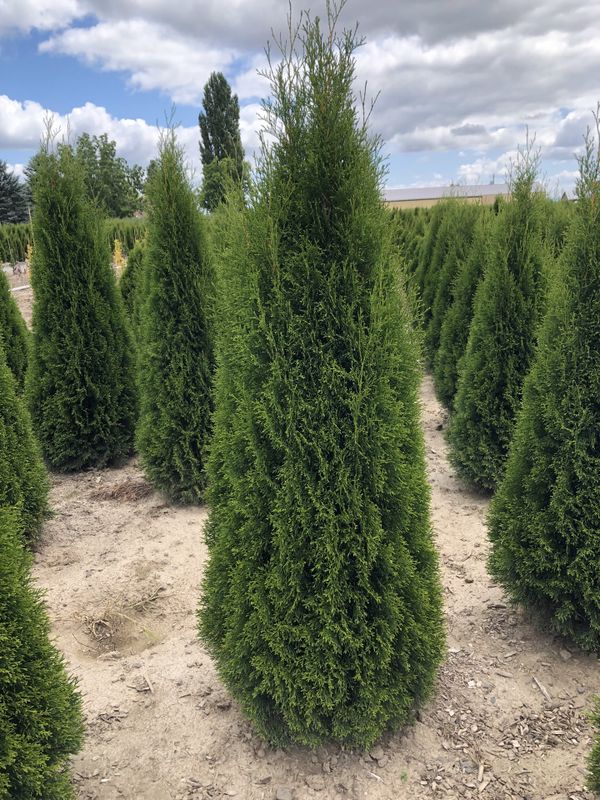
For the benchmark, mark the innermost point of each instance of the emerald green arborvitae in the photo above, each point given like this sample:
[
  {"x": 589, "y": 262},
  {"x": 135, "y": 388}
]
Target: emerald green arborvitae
[
  {"x": 23, "y": 480},
  {"x": 455, "y": 327},
  {"x": 454, "y": 241},
  {"x": 129, "y": 282},
  {"x": 425, "y": 275},
  {"x": 594, "y": 757},
  {"x": 13, "y": 333},
  {"x": 501, "y": 338},
  {"x": 40, "y": 710},
  {"x": 321, "y": 601},
  {"x": 544, "y": 522},
  {"x": 176, "y": 349},
  {"x": 80, "y": 384}
]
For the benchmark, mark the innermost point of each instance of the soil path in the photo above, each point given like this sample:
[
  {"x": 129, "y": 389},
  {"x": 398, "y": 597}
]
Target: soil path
[{"x": 122, "y": 570}]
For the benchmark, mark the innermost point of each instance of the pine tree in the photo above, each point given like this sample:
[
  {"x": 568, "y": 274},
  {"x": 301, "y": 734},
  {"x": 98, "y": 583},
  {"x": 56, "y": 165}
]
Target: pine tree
[
  {"x": 455, "y": 328},
  {"x": 502, "y": 336},
  {"x": 594, "y": 757},
  {"x": 23, "y": 480},
  {"x": 176, "y": 349},
  {"x": 544, "y": 522},
  {"x": 41, "y": 723},
  {"x": 321, "y": 600},
  {"x": 13, "y": 333},
  {"x": 454, "y": 241},
  {"x": 13, "y": 203},
  {"x": 221, "y": 148},
  {"x": 80, "y": 384}
]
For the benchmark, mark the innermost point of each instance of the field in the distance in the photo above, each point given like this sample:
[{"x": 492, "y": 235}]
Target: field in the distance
[{"x": 122, "y": 570}]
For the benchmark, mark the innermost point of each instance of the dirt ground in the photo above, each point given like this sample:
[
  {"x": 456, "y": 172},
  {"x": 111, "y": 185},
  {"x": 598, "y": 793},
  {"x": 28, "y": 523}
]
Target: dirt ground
[{"x": 122, "y": 569}]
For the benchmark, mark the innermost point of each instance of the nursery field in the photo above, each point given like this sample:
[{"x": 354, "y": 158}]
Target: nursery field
[{"x": 122, "y": 568}]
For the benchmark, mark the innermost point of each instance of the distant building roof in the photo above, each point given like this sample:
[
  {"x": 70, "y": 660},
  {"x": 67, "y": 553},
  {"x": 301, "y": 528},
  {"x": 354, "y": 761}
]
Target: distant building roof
[{"x": 438, "y": 192}]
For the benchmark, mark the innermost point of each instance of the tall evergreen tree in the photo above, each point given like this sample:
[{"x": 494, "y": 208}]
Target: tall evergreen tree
[
  {"x": 80, "y": 382},
  {"x": 13, "y": 333},
  {"x": 13, "y": 201},
  {"x": 454, "y": 241},
  {"x": 455, "y": 328},
  {"x": 130, "y": 279},
  {"x": 502, "y": 336},
  {"x": 41, "y": 722},
  {"x": 423, "y": 271},
  {"x": 544, "y": 522},
  {"x": 176, "y": 349},
  {"x": 321, "y": 598},
  {"x": 221, "y": 150},
  {"x": 23, "y": 480}
]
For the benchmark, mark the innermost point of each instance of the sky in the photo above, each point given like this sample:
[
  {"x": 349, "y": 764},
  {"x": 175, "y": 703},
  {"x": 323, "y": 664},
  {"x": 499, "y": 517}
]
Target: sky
[{"x": 458, "y": 83}]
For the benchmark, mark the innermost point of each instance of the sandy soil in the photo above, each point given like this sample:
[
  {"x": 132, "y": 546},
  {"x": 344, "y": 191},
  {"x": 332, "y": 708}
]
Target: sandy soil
[{"x": 122, "y": 568}]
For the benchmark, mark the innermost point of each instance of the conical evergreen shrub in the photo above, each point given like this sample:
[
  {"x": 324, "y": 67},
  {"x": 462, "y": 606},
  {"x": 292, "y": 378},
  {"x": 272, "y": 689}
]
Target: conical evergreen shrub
[
  {"x": 544, "y": 522},
  {"x": 594, "y": 757},
  {"x": 502, "y": 336},
  {"x": 454, "y": 240},
  {"x": 40, "y": 711},
  {"x": 130, "y": 283},
  {"x": 23, "y": 480},
  {"x": 13, "y": 333},
  {"x": 81, "y": 384},
  {"x": 455, "y": 327},
  {"x": 321, "y": 600},
  {"x": 176, "y": 348}
]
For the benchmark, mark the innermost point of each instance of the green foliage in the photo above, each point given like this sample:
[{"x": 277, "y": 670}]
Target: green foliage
[
  {"x": 594, "y": 757},
  {"x": 41, "y": 723},
  {"x": 175, "y": 336},
  {"x": 321, "y": 600},
  {"x": 14, "y": 239},
  {"x": 455, "y": 328},
  {"x": 221, "y": 148},
  {"x": 109, "y": 181},
  {"x": 453, "y": 244},
  {"x": 13, "y": 242},
  {"x": 80, "y": 384},
  {"x": 129, "y": 282},
  {"x": 544, "y": 522},
  {"x": 502, "y": 336},
  {"x": 23, "y": 480},
  {"x": 13, "y": 202},
  {"x": 127, "y": 231},
  {"x": 13, "y": 333},
  {"x": 423, "y": 273}
]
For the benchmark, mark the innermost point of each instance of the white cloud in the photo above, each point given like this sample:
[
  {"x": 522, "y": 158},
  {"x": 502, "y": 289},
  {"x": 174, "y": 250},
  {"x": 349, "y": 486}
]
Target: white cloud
[{"x": 22, "y": 15}]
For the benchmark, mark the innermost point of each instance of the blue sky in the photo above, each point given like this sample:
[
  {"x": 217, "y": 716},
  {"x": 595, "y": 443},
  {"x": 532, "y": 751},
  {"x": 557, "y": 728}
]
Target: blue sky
[{"x": 460, "y": 83}]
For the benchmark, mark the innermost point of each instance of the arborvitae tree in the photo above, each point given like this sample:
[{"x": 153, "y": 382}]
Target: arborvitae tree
[
  {"x": 321, "y": 598},
  {"x": 41, "y": 722},
  {"x": 594, "y": 758},
  {"x": 80, "y": 382},
  {"x": 13, "y": 333},
  {"x": 221, "y": 148},
  {"x": 422, "y": 273},
  {"x": 131, "y": 277},
  {"x": 176, "y": 348},
  {"x": 454, "y": 242},
  {"x": 23, "y": 480},
  {"x": 455, "y": 328},
  {"x": 502, "y": 336},
  {"x": 544, "y": 522},
  {"x": 13, "y": 202}
]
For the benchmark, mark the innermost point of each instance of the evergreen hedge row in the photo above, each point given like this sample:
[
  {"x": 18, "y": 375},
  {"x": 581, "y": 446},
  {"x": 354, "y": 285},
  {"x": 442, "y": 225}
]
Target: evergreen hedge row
[
  {"x": 13, "y": 334},
  {"x": 544, "y": 521},
  {"x": 80, "y": 383},
  {"x": 321, "y": 601},
  {"x": 501, "y": 337},
  {"x": 41, "y": 722}
]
